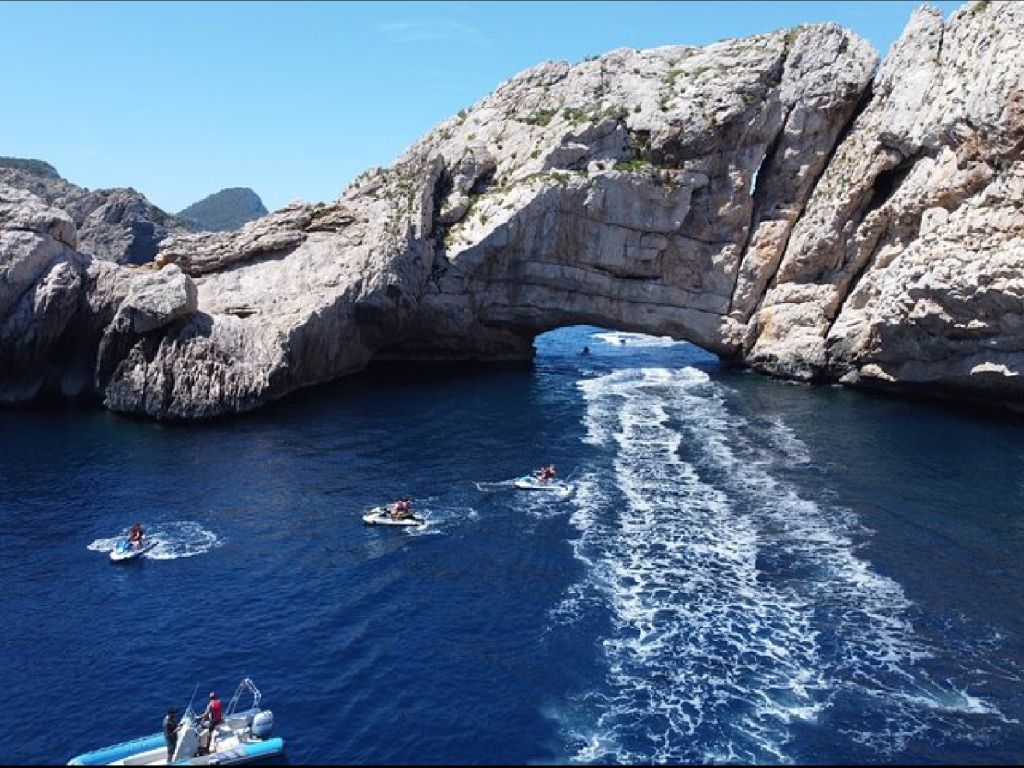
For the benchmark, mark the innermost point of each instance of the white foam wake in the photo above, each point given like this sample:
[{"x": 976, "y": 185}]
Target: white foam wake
[
  {"x": 738, "y": 607},
  {"x": 173, "y": 540}
]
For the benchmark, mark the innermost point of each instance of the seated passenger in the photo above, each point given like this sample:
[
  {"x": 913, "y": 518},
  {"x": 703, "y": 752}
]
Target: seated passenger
[
  {"x": 401, "y": 509},
  {"x": 545, "y": 473}
]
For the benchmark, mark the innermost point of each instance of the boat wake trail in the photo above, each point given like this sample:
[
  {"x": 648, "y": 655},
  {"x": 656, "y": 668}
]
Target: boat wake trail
[
  {"x": 496, "y": 486},
  {"x": 173, "y": 541},
  {"x": 741, "y": 615}
]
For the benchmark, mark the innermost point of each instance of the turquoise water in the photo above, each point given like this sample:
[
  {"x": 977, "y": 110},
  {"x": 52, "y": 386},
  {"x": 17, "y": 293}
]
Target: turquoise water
[{"x": 746, "y": 571}]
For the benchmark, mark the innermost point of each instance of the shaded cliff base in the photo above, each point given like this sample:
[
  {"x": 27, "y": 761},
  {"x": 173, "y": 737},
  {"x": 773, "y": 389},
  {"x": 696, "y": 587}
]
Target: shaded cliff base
[{"x": 961, "y": 400}]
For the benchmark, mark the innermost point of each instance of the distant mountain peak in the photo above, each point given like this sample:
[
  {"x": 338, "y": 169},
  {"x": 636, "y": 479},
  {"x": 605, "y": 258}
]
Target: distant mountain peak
[
  {"x": 34, "y": 167},
  {"x": 225, "y": 210}
]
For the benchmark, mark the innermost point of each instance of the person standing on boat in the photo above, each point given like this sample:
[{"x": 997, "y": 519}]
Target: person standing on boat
[
  {"x": 212, "y": 713},
  {"x": 171, "y": 731}
]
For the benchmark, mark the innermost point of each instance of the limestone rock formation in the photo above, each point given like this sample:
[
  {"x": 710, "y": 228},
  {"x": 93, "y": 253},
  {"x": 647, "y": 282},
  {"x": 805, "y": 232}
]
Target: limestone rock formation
[
  {"x": 775, "y": 200},
  {"x": 905, "y": 270},
  {"x": 640, "y": 190},
  {"x": 117, "y": 225},
  {"x": 618, "y": 191},
  {"x": 58, "y": 305},
  {"x": 42, "y": 288},
  {"x": 157, "y": 299}
]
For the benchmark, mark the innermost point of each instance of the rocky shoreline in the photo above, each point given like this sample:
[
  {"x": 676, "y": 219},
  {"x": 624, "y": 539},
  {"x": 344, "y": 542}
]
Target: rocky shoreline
[{"x": 781, "y": 200}]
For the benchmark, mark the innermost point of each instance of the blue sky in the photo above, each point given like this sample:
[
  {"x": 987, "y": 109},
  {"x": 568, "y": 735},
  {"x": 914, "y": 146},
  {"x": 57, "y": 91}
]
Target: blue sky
[{"x": 295, "y": 99}]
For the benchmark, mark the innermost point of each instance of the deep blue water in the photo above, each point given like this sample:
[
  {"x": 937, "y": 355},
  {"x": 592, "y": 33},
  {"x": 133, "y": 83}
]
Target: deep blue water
[{"x": 746, "y": 572}]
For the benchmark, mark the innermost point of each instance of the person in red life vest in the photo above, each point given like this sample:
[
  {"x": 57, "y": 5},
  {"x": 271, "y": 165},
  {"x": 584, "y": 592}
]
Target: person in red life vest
[{"x": 213, "y": 714}]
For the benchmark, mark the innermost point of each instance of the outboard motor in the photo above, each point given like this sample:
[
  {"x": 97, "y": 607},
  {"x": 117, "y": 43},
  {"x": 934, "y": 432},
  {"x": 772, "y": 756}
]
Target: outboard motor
[{"x": 262, "y": 724}]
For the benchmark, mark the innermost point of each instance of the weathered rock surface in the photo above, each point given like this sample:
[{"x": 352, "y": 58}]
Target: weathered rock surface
[
  {"x": 41, "y": 290},
  {"x": 57, "y": 304},
  {"x": 157, "y": 299},
  {"x": 906, "y": 269},
  {"x": 117, "y": 225},
  {"x": 774, "y": 199}
]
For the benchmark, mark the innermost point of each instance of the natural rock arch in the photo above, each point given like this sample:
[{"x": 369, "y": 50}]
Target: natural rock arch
[{"x": 774, "y": 200}]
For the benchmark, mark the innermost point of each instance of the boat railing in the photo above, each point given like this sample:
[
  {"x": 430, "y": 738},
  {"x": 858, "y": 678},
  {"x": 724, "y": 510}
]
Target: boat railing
[{"x": 246, "y": 685}]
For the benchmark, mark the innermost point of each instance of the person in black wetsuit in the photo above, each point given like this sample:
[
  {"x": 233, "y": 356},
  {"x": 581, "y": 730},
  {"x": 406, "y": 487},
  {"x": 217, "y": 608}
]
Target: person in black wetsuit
[{"x": 171, "y": 731}]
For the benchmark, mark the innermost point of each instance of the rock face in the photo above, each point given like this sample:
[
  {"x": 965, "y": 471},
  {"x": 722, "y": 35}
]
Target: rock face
[
  {"x": 117, "y": 225},
  {"x": 775, "y": 200},
  {"x": 906, "y": 269},
  {"x": 155, "y": 300},
  {"x": 648, "y": 190},
  {"x": 45, "y": 287}
]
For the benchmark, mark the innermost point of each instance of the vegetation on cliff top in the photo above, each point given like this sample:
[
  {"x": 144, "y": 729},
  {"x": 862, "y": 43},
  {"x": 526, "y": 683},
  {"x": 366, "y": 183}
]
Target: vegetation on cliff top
[{"x": 35, "y": 167}]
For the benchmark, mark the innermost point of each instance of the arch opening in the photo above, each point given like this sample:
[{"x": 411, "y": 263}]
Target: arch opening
[{"x": 611, "y": 347}]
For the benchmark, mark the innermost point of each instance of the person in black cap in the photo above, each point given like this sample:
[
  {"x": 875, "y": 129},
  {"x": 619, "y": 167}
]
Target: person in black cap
[{"x": 171, "y": 731}]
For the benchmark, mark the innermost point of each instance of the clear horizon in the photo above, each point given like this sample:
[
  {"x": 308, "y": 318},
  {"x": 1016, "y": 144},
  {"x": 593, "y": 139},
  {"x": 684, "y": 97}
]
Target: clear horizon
[{"x": 179, "y": 100}]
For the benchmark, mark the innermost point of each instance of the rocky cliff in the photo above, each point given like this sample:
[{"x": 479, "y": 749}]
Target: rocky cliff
[
  {"x": 118, "y": 225},
  {"x": 905, "y": 268},
  {"x": 780, "y": 200}
]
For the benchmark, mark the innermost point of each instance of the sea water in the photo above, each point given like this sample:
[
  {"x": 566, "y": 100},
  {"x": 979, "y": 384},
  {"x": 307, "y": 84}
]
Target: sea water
[{"x": 745, "y": 571}]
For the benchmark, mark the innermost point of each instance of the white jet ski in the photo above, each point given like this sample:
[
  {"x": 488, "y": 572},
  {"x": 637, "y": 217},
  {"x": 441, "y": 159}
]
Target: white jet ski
[
  {"x": 534, "y": 483},
  {"x": 382, "y": 516},
  {"x": 123, "y": 551}
]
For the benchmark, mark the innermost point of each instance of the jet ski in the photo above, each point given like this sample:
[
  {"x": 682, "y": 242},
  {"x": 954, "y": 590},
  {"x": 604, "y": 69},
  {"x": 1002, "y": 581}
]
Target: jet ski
[
  {"x": 123, "y": 551},
  {"x": 534, "y": 483},
  {"x": 382, "y": 516}
]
